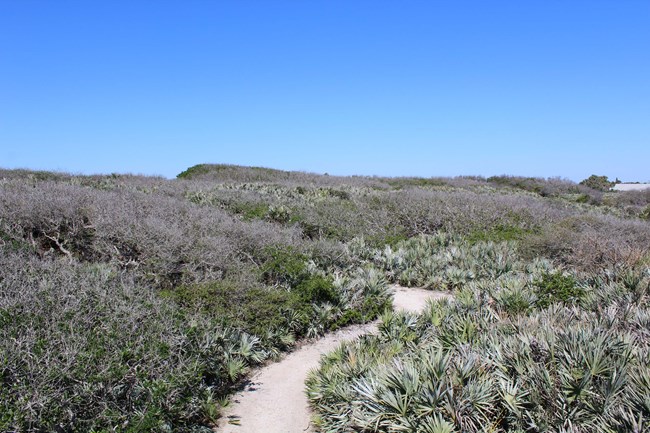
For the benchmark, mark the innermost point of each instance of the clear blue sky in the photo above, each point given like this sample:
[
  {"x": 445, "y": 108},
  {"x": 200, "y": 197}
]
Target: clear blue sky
[{"x": 534, "y": 87}]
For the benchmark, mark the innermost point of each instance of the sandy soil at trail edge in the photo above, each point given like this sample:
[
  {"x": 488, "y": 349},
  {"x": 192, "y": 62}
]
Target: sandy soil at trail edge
[{"x": 274, "y": 400}]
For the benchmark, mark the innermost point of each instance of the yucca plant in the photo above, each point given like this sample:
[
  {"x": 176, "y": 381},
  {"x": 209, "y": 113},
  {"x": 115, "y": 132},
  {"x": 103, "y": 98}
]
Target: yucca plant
[{"x": 479, "y": 364}]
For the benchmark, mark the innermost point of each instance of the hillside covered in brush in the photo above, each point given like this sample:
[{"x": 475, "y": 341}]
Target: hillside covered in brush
[{"x": 137, "y": 304}]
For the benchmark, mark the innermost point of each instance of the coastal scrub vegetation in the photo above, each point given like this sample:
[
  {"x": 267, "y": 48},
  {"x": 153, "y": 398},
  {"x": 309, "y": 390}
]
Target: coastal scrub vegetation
[
  {"x": 526, "y": 346},
  {"x": 138, "y": 304}
]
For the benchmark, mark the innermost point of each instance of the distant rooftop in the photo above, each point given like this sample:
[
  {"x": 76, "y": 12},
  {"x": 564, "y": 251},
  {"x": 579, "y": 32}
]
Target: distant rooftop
[{"x": 631, "y": 186}]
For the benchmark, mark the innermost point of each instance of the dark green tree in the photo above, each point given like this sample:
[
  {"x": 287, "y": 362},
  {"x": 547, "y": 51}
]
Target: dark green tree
[{"x": 600, "y": 183}]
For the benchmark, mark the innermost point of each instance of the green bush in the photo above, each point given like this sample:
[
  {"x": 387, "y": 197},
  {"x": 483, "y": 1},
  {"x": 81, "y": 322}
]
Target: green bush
[
  {"x": 289, "y": 268},
  {"x": 317, "y": 289},
  {"x": 645, "y": 214},
  {"x": 195, "y": 170},
  {"x": 374, "y": 307},
  {"x": 250, "y": 211},
  {"x": 599, "y": 183},
  {"x": 253, "y": 309},
  {"x": 499, "y": 233},
  {"x": 557, "y": 287},
  {"x": 285, "y": 267},
  {"x": 347, "y": 318},
  {"x": 391, "y": 236}
]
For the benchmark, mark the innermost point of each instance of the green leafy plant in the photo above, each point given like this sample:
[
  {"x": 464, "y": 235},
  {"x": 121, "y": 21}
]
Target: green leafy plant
[
  {"x": 317, "y": 289},
  {"x": 645, "y": 214},
  {"x": 557, "y": 287},
  {"x": 599, "y": 183},
  {"x": 285, "y": 266}
]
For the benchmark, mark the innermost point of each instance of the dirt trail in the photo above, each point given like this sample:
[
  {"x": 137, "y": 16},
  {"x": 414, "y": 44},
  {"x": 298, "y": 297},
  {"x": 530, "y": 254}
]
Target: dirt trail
[{"x": 275, "y": 402}]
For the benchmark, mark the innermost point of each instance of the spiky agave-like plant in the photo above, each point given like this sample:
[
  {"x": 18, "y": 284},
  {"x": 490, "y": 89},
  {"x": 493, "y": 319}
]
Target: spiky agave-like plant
[{"x": 475, "y": 366}]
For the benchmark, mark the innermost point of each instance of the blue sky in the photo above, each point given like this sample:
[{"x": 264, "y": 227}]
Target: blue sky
[{"x": 427, "y": 88}]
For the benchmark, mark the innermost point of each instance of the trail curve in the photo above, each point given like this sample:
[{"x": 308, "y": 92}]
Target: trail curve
[{"x": 274, "y": 400}]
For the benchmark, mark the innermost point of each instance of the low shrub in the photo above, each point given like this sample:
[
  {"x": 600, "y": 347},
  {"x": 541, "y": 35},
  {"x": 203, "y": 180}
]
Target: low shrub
[
  {"x": 499, "y": 233},
  {"x": 645, "y": 214},
  {"x": 317, "y": 289},
  {"x": 85, "y": 348},
  {"x": 254, "y": 309},
  {"x": 251, "y": 211},
  {"x": 590, "y": 242},
  {"x": 196, "y": 170},
  {"x": 285, "y": 267},
  {"x": 557, "y": 287}
]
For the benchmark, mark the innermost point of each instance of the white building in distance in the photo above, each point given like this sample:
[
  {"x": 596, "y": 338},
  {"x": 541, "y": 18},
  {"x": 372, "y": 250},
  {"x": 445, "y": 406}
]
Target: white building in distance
[{"x": 631, "y": 186}]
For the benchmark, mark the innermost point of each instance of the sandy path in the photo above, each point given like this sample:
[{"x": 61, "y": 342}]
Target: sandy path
[
  {"x": 413, "y": 299},
  {"x": 275, "y": 402}
]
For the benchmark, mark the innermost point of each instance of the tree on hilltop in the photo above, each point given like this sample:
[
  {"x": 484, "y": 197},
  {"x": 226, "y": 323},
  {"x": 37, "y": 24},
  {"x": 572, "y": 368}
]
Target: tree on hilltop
[{"x": 600, "y": 183}]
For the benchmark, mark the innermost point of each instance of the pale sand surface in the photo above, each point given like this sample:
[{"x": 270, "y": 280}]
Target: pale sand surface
[
  {"x": 413, "y": 299},
  {"x": 275, "y": 402},
  {"x": 631, "y": 186}
]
